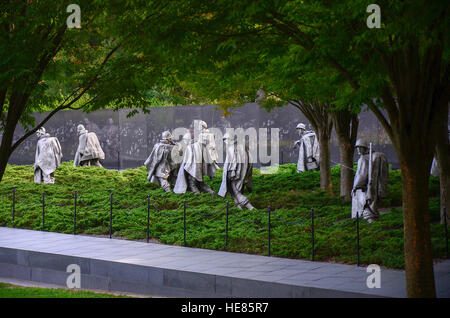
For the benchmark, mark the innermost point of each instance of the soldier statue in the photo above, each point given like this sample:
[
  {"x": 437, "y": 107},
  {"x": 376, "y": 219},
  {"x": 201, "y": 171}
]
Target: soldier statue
[
  {"x": 48, "y": 157},
  {"x": 160, "y": 165},
  {"x": 370, "y": 182},
  {"x": 309, "y": 150},
  {"x": 89, "y": 151},
  {"x": 199, "y": 159},
  {"x": 179, "y": 149},
  {"x": 237, "y": 172}
]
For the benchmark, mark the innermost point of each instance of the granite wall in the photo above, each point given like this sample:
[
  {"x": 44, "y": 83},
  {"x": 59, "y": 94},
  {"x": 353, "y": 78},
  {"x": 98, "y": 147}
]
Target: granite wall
[{"x": 127, "y": 141}]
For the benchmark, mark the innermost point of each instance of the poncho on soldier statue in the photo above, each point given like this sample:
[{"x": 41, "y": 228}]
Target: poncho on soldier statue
[
  {"x": 369, "y": 185},
  {"x": 161, "y": 167},
  {"x": 237, "y": 172},
  {"x": 89, "y": 151},
  {"x": 47, "y": 158},
  {"x": 309, "y": 150},
  {"x": 199, "y": 160}
]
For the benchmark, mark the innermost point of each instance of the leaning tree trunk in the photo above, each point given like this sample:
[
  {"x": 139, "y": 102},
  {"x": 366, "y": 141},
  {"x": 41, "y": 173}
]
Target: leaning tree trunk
[
  {"x": 443, "y": 159},
  {"x": 4, "y": 157},
  {"x": 346, "y": 127},
  {"x": 16, "y": 107}
]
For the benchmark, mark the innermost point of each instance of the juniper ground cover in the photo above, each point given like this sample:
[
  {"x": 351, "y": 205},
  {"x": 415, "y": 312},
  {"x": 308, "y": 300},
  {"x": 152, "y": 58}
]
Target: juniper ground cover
[{"x": 290, "y": 195}]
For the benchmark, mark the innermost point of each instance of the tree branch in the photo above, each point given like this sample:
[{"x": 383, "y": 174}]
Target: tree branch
[{"x": 63, "y": 105}]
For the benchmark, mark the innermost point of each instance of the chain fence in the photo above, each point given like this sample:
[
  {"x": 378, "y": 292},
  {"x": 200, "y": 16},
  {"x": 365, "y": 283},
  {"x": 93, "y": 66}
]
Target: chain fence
[{"x": 263, "y": 222}]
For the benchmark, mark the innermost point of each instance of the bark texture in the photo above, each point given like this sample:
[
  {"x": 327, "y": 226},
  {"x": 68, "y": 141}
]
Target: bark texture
[{"x": 346, "y": 127}]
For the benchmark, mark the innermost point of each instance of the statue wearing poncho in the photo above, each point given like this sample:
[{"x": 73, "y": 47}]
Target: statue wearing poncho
[
  {"x": 369, "y": 185},
  {"x": 237, "y": 172},
  {"x": 160, "y": 166},
  {"x": 199, "y": 160},
  {"x": 89, "y": 151},
  {"x": 47, "y": 158},
  {"x": 309, "y": 150}
]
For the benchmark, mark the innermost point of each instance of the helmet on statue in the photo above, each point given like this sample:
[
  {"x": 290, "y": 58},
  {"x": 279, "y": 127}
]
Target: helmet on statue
[
  {"x": 361, "y": 143},
  {"x": 166, "y": 135}
]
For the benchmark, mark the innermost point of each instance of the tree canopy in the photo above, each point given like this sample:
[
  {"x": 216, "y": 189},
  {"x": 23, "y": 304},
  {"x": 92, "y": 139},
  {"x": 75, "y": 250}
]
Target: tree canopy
[{"x": 325, "y": 49}]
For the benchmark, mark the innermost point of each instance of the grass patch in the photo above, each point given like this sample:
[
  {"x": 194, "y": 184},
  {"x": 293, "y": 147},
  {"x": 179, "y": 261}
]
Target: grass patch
[
  {"x": 291, "y": 195},
  {"x": 13, "y": 291}
]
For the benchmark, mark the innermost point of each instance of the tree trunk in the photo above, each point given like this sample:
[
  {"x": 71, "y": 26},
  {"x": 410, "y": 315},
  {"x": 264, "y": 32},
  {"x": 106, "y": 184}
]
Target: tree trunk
[
  {"x": 346, "y": 127},
  {"x": 417, "y": 239},
  {"x": 325, "y": 167},
  {"x": 443, "y": 158},
  {"x": 5, "y": 150},
  {"x": 16, "y": 106},
  {"x": 346, "y": 151}
]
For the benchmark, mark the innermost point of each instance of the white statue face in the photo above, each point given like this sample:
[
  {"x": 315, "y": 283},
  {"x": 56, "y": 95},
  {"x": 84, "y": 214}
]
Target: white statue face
[
  {"x": 301, "y": 131},
  {"x": 362, "y": 150}
]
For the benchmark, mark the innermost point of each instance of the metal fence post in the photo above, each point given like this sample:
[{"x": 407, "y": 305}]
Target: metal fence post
[
  {"x": 13, "y": 205},
  {"x": 110, "y": 213},
  {"x": 148, "y": 217},
  {"x": 184, "y": 223},
  {"x": 312, "y": 235},
  {"x": 446, "y": 230},
  {"x": 75, "y": 214},
  {"x": 226, "y": 229},
  {"x": 43, "y": 211},
  {"x": 268, "y": 238},
  {"x": 357, "y": 238}
]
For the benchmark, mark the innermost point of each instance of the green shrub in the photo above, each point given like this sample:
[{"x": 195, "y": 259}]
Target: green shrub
[{"x": 290, "y": 194}]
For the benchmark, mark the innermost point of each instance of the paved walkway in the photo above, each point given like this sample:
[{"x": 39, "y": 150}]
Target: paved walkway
[{"x": 148, "y": 268}]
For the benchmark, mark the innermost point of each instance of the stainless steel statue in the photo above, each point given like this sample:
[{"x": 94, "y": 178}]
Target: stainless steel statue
[
  {"x": 309, "y": 150},
  {"x": 435, "y": 171},
  {"x": 199, "y": 159},
  {"x": 47, "y": 158},
  {"x": 369, "y": 185},
  {"x": 160, "y": 165},
  {"x": 237, "y": 172},
  {"x": 89, "y": 151}
]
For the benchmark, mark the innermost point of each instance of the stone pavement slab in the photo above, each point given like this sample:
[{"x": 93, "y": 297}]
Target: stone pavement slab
[{"x": 174, "y": 271}]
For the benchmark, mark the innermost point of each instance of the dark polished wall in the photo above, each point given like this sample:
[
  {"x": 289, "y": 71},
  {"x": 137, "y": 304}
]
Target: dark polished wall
[{"x": 128, "y": 141}]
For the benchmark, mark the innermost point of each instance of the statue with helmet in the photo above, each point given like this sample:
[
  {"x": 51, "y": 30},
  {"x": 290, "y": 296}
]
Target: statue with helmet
[
  {"x": 370, "y": 182},
  {"x": 47, "y": 158},
  {"x": 199, "y": 160},
  {"x": 309, "y": 149},
  {"x": 89, "y": 151},
  {"x": 160, "y": 165},
  {"x": 237, "y": 172}
]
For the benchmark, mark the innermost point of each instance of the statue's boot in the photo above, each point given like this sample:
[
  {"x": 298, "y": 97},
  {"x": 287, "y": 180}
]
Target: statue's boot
[
  {"x": 249, "y": 206},
  {"x": 97, "y": 163},
  {"x": 165, "y": 184},
  {"x": 192, "y": 185},
  {"x": 206, "y": 188}
]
